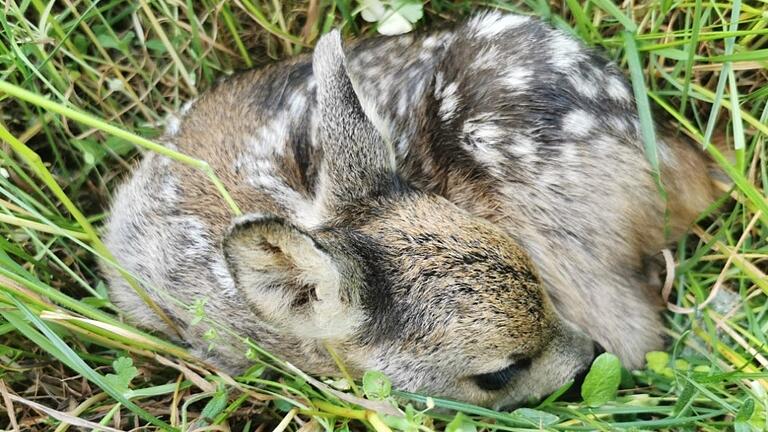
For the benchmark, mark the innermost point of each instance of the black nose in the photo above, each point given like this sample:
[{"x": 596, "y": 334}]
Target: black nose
[{"x": 573, "y": 394}]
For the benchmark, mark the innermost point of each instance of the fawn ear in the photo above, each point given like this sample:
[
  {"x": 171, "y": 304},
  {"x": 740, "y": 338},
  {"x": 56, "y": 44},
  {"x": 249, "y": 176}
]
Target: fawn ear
[
  {"x": 290, "y": 279},
  {"x": 359, "y": 158}
]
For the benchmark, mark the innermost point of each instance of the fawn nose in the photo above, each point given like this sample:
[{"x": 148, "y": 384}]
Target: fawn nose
[{"x": 573, "y": 394}]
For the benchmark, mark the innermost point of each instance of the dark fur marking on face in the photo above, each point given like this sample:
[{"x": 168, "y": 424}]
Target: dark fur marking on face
[{"x": 384, "y": 313}]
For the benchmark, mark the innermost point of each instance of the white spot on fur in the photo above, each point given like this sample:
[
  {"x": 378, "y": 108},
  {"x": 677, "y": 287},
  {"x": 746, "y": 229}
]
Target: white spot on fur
[
  {"x": 449, "y": 101},
  {"x": 259, "y": 172},
  {"x": 564, "y": 51},
  {"x": 487, "y": 58},
  {"x": 402, "y": 103},
  {"x": 482, "y": 139},
  {"x": 297, "y": 105},
  {"x": 270, "y": 138},
  {"x": 584, "y": 84},
  {"x": 172, "y": 125},
  {"x": 517, "y": 77},
  {"x": 666, "y": 156},
  {"x": 487, "y": 154},
  {"x": 306, "y": 213},
  {"x": 256, "y": 147},
  {"x": 429, "y": 42},
  {"x": 616, "y": 89},
  {"x": 223, "y": 278},
  {"x": 521, "y": 146},
  {"x": 617, "y": 123},
  {"x": 365, "y": 57},
  {"x": 493, "y": 24},
  {"x": 579, "y": 123},
  {"x": 186, "y": 107},
  {"x": 194, "y": 230}
]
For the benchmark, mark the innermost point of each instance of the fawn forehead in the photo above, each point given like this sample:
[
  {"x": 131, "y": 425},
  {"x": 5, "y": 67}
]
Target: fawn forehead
[{"x": 433, "y": 272}]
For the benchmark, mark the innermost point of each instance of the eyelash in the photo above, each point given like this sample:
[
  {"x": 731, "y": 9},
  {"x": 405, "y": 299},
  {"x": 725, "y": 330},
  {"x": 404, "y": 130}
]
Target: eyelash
[{"x": 497, "y": 380}]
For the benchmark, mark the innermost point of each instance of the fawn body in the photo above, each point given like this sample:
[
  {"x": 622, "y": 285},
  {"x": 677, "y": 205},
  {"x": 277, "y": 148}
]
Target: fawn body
[{"x": 466, "y": 210}]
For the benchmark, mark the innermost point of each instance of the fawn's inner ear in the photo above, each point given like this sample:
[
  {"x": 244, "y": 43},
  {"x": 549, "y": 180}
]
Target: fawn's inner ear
[{"x": 290, "y": 278}]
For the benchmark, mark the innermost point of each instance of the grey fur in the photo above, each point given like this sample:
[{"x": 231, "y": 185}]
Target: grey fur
[{"x": 436, "y": 206}]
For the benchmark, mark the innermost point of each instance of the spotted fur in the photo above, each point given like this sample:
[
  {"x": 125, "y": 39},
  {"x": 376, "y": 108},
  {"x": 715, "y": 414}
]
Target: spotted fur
[{"x": 454, "y": 207}]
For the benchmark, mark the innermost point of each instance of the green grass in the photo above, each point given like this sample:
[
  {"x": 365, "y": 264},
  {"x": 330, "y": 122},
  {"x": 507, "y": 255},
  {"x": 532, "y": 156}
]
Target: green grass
[{"x": 84, "y": 84}]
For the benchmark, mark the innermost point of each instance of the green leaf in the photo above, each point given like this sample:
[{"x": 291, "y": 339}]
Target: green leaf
[
  {"x": 534, "y": 417},
  {"x": 657, "y": 361},
  {"x": 210, "y": 335},
  {"x": 156, "y": 46},
  {"x": 198, "y": 310},
  {"x": 93, "y": 152},
  {"x": 681, "y": 364},
  {"x": 120, "y": 146},
  {"x": 376, "y": 385},
  {"x": 460, "y": 423},
  {"x": 602, "y": 381},
  {"x": 400, "y": 423},
  {"x": 81, "y": 42},
  {"x": 125, "y": 372},
  {"x": 673, "y": 53},
  {"x": 627, "y": 380},
  {"x": 742, "y": 421},
  {"x": 409, "y": 9},
  {"x": 682, "y": 404},
  {"x": 214, "y": 406},
  {"x": 282, "y": 405},
  {"x": 108, "y": 41},
  {"x": 746, "y": 410}
]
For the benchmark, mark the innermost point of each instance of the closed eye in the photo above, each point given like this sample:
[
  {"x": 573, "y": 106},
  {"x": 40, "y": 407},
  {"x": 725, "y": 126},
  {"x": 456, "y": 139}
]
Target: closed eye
[{"x": 497, "y": 380}]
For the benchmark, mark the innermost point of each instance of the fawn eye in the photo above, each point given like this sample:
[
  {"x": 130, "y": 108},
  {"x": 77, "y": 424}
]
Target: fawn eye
[{"x": 499, "y": 379}]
